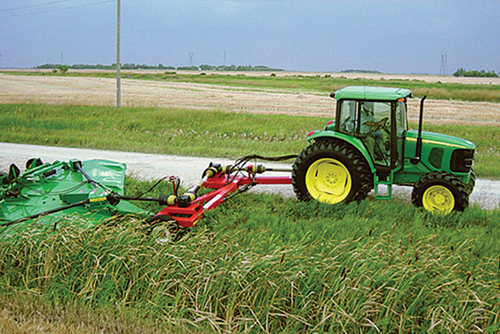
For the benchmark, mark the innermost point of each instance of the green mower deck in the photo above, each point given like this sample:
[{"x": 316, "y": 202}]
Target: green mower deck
[{"x": 46, "y": 194}]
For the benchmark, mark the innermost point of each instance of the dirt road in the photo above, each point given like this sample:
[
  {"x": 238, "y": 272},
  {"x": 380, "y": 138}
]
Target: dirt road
[{"x": 189, "y": 169}]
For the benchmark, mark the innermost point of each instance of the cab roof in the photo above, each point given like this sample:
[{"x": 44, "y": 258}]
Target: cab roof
[{"x": 372, "y": 93}]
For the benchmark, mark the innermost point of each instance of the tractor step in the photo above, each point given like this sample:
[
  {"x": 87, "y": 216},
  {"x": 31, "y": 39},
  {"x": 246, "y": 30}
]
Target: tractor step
[{"x": 387, "y": 181}]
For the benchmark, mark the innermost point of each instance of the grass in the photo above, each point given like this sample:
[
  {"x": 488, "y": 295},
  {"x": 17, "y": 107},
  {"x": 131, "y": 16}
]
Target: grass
[
  {"x": 262, "y": 263},
  {"x": 194, "y": 132},
  {"x": 182, "y": 132},
  {"x": 317, "y": 83},
  {"x": 258, "y": 263}
]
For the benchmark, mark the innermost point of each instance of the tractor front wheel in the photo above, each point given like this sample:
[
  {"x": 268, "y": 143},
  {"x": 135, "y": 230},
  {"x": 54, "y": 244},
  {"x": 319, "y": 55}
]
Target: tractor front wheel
[
  {"x": 331, "y": 172},
  {"x": 440, "y": 192}
]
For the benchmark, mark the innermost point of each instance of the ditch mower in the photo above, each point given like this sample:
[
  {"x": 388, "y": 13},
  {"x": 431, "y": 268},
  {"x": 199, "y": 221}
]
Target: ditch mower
[
  {"x": 90, "y": 192},
  {"x": 367, "y": 146}
]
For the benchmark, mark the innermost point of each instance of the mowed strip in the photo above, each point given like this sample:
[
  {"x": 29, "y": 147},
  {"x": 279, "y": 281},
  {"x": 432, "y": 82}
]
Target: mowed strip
[
  {"x": 143, "y": 93},
  {"x": 165, "y": 94}
]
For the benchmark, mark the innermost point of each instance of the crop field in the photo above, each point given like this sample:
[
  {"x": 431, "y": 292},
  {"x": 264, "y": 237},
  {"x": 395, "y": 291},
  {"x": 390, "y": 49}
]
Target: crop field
[
  {"x": 450, "y": 103},
  {"x": 259, "y": 263}
]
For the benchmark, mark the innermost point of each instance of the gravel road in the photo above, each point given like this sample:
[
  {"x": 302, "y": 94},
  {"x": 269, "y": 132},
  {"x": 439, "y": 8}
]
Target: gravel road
[{"x": 154, "y": 166}]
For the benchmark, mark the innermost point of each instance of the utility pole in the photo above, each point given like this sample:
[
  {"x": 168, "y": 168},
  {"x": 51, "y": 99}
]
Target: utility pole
[
  {"x": 444, "y": 61},
  {"x": 118, "y": 65},
  {"x": 191, "y": 54}
]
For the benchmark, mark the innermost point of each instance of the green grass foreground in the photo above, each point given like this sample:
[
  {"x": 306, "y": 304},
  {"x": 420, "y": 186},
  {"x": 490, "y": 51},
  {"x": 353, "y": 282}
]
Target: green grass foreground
[
  {"x": 194, "y": 132},
  {"x": 262, "y": 264}
]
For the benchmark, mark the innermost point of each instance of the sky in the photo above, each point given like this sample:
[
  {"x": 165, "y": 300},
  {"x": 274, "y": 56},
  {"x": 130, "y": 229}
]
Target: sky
[{"x": 390, "y": 36}]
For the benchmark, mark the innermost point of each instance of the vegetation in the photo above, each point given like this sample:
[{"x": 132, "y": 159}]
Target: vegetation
[
  {"x": 132, "y": 66},
  {"x": 316, "y": 83},
  {"x": 238, "y": 68},
  {"x": 63, "y": 68},
  {"x": 258, "y": 263},
  {"x": 474, "y": 73},
  {"x": 262, "y": 263},
  {"x": 191, "y": 132},
  {"x": 126, "y": 66},
  {"x": 359, "y": 71}
]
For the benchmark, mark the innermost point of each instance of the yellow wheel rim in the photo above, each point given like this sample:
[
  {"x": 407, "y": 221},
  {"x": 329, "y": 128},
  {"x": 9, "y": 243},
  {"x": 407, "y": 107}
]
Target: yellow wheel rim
[
  {"x": 438, "y": 199},
  {"x": 328, "y": 181}
]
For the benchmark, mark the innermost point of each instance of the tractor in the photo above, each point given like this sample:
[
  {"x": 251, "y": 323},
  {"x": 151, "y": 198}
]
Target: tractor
[{"x": 369, "y": 145}]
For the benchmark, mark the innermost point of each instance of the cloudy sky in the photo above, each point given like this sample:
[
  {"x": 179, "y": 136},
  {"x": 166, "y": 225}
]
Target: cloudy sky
[{"x": 392, "y": 36}]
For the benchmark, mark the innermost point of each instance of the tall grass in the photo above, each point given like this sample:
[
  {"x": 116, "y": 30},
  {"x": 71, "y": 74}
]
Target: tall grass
[
  {"x": 265, "y": 264},
  {"x": 193, "y": 132},
  {"x": 154, "y": 130}
]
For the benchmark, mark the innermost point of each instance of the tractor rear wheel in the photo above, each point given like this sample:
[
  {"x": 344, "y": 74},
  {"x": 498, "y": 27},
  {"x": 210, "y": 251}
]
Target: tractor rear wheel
[
  {"x": 331, "y": 172},
  {"x": 440, "y": 192}
]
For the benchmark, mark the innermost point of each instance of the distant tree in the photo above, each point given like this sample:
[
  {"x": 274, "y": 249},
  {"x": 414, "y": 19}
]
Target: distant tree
[
  {"x": 207, "y": 68},
  {"x": 188, "y": 68},
  {"x": 474, "y": 73},
  {"x": 359, "y": 71},
  {"x": 132, "y": 66},
  {"x": 63, "y": 68}
]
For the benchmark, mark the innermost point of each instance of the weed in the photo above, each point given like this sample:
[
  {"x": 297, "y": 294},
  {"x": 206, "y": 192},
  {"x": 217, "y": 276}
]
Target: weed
[{"x": 264, "y": 263}]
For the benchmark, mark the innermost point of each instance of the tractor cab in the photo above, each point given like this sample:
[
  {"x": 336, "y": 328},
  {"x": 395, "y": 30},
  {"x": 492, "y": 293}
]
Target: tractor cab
[
  {"x": 376, "y": 117},
  {"x": 379, "y": 125}
]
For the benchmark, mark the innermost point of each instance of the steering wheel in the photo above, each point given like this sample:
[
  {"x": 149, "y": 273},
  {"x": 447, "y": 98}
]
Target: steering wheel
[{"x": 381, "y": 124}]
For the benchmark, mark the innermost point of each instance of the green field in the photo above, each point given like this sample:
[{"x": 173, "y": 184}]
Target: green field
[
  {"x": 195, "y": 132},
  {"x": 256, "y": 264}
]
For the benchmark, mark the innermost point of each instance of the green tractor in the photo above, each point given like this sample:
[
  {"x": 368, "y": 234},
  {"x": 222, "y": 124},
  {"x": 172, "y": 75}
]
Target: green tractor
[{"x": 369, "y": 145}]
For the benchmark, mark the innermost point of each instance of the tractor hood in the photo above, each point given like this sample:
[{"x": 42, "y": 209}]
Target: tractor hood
[{"x": 438, "y": 139}]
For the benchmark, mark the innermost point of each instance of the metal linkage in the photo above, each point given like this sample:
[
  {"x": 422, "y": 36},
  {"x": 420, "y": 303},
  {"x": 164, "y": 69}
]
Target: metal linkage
[{"x": 187, "y": 209}]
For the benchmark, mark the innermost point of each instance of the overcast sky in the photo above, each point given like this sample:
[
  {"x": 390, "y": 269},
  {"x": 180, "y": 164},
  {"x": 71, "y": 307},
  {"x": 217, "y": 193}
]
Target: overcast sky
[{"x": 392, "y": 36}]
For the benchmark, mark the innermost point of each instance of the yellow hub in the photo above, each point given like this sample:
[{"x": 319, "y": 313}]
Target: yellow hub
[
  {"x": 328, "y": 181},
  {"x": 438, "y": 199}
]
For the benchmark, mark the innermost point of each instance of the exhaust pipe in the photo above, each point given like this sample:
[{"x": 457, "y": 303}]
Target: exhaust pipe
[{"x": 418, "y": 150}]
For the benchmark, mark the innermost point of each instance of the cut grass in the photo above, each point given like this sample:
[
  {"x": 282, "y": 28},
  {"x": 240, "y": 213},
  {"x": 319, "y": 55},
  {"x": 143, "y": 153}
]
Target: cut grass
[
  {"x": 194, "y": 132},
  {"x": 317, "y": 83}
]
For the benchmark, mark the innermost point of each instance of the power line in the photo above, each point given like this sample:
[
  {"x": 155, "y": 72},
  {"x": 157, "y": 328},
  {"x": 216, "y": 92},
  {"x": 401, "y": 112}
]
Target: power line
[
  {"x": 37, "y": 5},
  {"x": 61, "y": 9}
]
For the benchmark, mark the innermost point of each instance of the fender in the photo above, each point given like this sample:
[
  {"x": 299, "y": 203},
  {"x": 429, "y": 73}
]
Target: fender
[{"x": 353, "y": 141}]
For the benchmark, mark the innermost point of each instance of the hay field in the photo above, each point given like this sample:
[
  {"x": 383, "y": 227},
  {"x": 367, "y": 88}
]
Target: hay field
[{"x": 136, "y": 93}]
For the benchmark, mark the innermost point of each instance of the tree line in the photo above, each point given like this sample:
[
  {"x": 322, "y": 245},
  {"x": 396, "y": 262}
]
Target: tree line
[
  {"x": 474, "y": 73},
  {"x": 132, "y": 66}
]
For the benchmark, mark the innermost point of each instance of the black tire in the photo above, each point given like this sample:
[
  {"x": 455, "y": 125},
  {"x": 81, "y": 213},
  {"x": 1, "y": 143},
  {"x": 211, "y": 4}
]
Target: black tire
[
  {"x": 472, "y": 182},
  {"x": 164, "y": 229},
  {"x": 331, "y": 172},
  {"x": 440, "y": 192}
]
